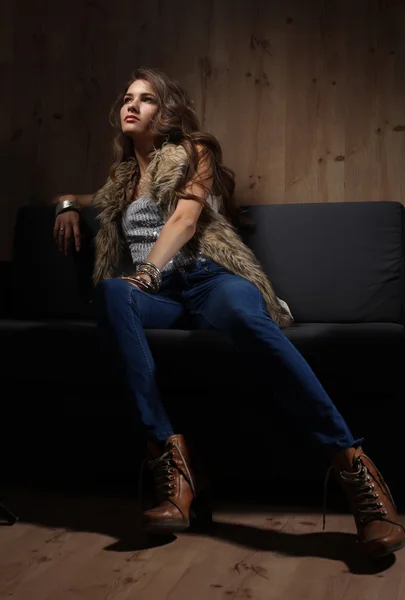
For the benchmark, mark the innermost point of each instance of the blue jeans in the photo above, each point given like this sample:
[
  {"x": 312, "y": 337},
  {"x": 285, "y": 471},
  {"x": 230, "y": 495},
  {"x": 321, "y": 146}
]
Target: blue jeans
[{"x": 227, "y": 303}]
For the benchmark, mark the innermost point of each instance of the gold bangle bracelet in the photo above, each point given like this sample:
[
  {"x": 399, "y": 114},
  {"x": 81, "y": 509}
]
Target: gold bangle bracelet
[{"x": 139, "y": 282}]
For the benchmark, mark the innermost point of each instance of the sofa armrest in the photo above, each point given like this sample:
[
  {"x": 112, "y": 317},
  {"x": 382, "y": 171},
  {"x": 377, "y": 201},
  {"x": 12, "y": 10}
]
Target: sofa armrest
[{"x": 45, "y": 283}]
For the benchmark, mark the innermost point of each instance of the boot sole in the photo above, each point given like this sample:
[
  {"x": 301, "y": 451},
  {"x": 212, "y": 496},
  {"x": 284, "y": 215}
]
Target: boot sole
[
  {"x": 176, "y": 527},
  {"x": 166, "y": 527}
]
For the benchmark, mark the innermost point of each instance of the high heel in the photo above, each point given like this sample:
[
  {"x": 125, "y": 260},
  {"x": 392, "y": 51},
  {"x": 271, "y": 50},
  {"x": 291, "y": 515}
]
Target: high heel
[{"x": 201, "y": 511}]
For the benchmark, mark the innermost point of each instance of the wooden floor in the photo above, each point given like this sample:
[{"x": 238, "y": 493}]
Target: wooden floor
[{"x": 71, "y": 547}]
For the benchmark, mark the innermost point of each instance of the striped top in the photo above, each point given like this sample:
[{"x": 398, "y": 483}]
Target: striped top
[{"x": 142, "y": 222}]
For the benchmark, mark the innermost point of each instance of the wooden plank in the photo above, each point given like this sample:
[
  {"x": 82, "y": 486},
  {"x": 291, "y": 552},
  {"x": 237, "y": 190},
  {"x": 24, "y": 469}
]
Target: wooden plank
[
  {"x": 389, "y": 104},
  {"x": 26, "y": 554},
  {"x": 232, "y": 564},
  {"x": 221, "y": 104},
  {"x": 361, "y": 165},
  {"x": 303, "y": 40},
  {"x": 330, "y": 155},
  {"x": 266, "y": 179}
]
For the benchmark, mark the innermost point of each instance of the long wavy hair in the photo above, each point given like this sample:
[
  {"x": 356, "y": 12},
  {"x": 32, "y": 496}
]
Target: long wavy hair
[{"x": 176, "y": 122}]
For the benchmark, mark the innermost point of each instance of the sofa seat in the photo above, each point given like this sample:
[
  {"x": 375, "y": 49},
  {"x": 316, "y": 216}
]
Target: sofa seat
[{"x": 38, "y": 349}]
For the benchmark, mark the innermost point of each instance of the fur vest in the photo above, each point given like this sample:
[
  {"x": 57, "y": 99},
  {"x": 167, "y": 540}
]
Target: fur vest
[{"x": 215, "y": 236}]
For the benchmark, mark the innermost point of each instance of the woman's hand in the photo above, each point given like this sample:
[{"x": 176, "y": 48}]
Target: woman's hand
[{"x": 67, "y": 227}]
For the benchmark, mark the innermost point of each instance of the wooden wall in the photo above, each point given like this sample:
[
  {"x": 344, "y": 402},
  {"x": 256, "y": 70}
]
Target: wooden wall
[{"x": 306, "y": 97}]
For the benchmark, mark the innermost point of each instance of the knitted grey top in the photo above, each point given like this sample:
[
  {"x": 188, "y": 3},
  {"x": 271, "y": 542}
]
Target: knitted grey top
[{"x": 142, "y": 222}]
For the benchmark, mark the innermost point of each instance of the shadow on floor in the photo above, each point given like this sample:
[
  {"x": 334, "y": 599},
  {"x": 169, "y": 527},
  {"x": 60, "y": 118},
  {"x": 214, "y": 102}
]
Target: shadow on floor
[{"x": 118, "y": 517}]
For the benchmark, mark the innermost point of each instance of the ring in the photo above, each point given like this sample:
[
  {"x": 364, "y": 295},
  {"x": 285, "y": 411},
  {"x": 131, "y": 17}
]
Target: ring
[{"x": 62, "y": 229}]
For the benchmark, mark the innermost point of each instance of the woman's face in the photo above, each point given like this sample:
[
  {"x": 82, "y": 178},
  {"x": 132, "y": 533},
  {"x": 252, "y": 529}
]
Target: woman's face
[{"x": 140, "y": 105}]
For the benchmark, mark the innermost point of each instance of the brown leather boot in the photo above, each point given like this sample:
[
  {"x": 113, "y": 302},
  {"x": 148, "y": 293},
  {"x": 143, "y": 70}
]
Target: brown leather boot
[
  {"x": 175, "y": 489},
  {"x": 378, "y": 528}
]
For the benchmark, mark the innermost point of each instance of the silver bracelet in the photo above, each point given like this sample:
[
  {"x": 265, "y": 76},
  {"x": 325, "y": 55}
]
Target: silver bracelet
[{"x": 65, "y": 205}]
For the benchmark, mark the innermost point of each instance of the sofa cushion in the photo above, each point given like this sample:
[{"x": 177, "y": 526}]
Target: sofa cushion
[{"x": 335, "y": 262}]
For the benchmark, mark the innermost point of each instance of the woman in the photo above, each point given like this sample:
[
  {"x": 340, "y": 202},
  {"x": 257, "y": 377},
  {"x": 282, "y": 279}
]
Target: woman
[{"x": 167, "y": 246}]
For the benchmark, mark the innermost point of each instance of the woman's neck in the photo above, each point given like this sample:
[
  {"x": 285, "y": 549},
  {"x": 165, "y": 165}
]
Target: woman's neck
[
  {"x": 142, "y": 153},
  {"x": 143, "y": 162}
]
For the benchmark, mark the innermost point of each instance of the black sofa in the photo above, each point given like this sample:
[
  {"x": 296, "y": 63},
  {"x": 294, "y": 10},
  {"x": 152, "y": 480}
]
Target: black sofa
[{"x": 340, "y": 267}]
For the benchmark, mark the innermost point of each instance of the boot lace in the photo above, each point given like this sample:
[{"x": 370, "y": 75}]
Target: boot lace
[
  {"x": 361, "y": 487},
  {"x": 163, "y": 469}
]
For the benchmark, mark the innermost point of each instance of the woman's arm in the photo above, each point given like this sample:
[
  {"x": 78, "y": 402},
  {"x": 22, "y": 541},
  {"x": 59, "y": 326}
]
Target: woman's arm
[{"x": 181, "y": 226}]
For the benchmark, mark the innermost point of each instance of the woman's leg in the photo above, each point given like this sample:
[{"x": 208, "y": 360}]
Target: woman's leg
[
  {"x": 122, "y": 312},
  {"x": 234, "y": 306}
]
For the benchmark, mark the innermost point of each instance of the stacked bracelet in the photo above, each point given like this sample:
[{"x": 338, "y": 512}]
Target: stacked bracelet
[
  {"x": 154, "y": 273},
  {"x": 65, "y": 205}
]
